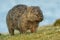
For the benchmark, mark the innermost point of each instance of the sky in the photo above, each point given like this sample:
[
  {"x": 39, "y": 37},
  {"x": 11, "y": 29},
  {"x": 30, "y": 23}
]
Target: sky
[{"x": 50, "y": 9}]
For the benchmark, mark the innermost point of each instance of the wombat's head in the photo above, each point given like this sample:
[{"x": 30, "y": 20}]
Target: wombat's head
[{"x": 35, "y": 14}]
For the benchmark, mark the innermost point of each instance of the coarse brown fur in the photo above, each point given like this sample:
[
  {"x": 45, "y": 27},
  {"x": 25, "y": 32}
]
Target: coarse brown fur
[{"x": 24, "y": 18}]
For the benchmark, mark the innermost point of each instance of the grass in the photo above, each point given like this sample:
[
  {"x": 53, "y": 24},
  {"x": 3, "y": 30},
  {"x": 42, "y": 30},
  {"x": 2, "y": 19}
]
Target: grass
[{"x": 43, "y": 33}]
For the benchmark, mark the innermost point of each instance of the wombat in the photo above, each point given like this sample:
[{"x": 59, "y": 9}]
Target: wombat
[{"x": 23, "y": 18}]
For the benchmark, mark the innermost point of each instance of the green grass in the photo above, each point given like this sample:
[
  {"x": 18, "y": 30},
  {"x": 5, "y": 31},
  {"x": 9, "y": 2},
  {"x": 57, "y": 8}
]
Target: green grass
[{"x": 43, "y": 33}]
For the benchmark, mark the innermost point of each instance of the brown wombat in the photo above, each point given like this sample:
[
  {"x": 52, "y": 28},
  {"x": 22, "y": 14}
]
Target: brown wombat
[{"x": 24, "y": 18}]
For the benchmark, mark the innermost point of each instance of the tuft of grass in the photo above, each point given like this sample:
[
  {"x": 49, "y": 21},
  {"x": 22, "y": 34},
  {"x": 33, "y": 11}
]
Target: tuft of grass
[
  {"x": 57, "y": 22},
  {"x": 43, "y": 33}
]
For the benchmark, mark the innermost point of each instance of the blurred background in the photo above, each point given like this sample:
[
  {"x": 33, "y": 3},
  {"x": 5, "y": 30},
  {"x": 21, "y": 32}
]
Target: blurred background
[{"x": 50, "y": 9}]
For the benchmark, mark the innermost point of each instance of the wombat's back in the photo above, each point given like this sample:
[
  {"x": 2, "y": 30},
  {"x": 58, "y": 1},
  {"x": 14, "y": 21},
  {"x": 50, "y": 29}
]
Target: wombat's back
[{"x": 14, "y": 14}]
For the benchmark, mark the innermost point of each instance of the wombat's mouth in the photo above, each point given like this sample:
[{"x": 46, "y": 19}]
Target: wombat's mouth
[{"x": 39, "y": 20}]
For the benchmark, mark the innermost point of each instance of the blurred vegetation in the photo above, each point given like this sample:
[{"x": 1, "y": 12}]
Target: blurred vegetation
[
  {"x": 43, "y": 33},
  {"x": 0, "y": 33},
  {"x": 57, "y": 22}
]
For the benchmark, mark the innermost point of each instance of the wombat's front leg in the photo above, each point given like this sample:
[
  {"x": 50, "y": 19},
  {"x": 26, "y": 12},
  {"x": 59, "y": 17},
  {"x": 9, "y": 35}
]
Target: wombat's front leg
[{"x": 34, "y": 28}]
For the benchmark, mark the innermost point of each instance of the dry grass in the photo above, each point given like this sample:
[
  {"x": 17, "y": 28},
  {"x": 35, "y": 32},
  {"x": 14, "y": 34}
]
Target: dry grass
[{"x": 43, "y": 33}]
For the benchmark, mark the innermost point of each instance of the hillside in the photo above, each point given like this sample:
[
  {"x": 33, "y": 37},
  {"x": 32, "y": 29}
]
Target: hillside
[{"x": 43, "y": 33}]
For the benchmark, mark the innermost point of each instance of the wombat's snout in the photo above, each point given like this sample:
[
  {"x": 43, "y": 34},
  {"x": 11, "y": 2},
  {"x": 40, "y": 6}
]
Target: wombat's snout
[{"x": 39, "y": 18}]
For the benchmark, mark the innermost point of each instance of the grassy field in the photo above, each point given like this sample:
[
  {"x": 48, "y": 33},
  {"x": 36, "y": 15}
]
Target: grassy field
[{"x": 43, "y": 33}]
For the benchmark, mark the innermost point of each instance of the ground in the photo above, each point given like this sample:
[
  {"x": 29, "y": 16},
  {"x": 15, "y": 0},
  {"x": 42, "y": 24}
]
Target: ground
[{"x": 43, "y": 33}]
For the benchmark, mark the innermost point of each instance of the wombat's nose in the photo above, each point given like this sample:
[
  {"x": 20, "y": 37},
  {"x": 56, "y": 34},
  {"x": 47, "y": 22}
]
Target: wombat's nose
[{"x": 41, "y": 18}]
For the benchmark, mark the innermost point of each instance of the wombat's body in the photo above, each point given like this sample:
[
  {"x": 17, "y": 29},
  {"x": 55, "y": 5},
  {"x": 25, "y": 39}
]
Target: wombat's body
[{"x": 24, "y": 18}]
